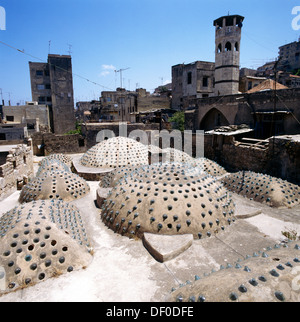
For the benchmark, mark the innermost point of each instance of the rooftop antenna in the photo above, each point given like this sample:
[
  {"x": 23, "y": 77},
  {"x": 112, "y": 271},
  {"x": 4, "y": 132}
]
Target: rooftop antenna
[
  {"x": 120, "y": 71},
  {"x": 70, "y": 49},
  {"x": 49, "y": 47}
]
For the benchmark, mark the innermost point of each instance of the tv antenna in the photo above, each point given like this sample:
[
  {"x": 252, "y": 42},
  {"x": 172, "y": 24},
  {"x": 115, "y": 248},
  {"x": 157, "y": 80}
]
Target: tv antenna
[
  {"x": 120, "y": 71},
  {"x": 70, "y": 49},
  {"x": 49, "y": 47}
]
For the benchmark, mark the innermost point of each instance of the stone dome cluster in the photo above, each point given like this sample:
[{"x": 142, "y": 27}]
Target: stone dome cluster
[
  {"x": 54, "y": 180},
  {"x": 263, "y": 188},
  {"x": 116, "y": 152},
  {"x": 170, "y": 199},
  {"x": 39, "y": 240}
]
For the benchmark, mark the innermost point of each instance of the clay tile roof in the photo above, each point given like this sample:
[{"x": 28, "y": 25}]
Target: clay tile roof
[{"x": 268, "y": 84}]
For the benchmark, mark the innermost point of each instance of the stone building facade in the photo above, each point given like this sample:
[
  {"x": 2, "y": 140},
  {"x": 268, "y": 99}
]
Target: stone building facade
[
  {"x": 121, "y": 105},
  {"x": 52, "y": 84},
  {"x": 195, "y": 80},
  {"x": 264, "y": 112}
]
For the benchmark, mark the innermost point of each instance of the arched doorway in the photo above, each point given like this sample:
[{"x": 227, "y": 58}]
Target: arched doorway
[{"x": 212, "y": 119}]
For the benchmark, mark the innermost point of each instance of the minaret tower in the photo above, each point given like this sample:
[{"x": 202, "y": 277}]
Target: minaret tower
[{"x": 228, "y": 40}]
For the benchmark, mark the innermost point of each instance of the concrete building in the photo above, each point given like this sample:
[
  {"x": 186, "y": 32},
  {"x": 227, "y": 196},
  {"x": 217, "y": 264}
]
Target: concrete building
[
  {"x": 227, "y": 53},
  {"x": 33, "y": 115},
  {"x": 121, "y": 104},
  {"x": 194, "y": 80},
  {"x": 249, "y": 82},
  {"x": 290, "y": 56},
  {"x": 52, "y": 84},
  {"x": 117, "y": 105},
  {"x": 13, "y": 132}
]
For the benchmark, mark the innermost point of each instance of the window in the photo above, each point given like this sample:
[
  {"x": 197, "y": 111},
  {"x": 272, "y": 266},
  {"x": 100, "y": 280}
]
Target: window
[
  {"x": 81, "y": 142},
  {"x": 236, "y": 46},
  {"x": 10, "y": 118},
  {"x": 205, "y": 81},
  {"x": 30, "y": 126},
  {"x": 219, "y": 48},
  {"x": 40, "y": 86},
  {"x": 189, "y": 77},
  {"x": 49, "y": 99},
  {"x": 228, "y": 46},
  {"x": 2, "y": 136},
  {"x": 39, "y": 73},
  {"x": 48, "y": 86},
  {"x": 41, "y": 99}
]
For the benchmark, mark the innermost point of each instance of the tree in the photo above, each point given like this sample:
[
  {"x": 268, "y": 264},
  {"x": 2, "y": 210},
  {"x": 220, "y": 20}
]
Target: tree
[{"x": 178, "y": 121}]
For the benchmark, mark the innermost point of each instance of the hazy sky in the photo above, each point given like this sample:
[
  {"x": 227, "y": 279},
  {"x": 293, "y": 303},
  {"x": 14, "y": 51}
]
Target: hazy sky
[{"x": 146, "y": 36}]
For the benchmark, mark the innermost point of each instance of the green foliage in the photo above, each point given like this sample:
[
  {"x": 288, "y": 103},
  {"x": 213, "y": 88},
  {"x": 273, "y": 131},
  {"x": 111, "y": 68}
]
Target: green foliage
[
  {"x": 178, "y": 121},
  {"x": 296, "y": 72},
  {"x": 77, "y": 131}
]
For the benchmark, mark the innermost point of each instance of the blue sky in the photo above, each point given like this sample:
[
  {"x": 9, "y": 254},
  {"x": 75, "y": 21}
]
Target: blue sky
[{"x": 146, "y": 36}]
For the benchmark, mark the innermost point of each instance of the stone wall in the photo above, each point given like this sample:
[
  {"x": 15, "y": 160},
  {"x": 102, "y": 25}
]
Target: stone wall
[
  {"x": 284, "y": 153},
  {"x": 91, "y": 130},
  {"x": 17, "y": 169},
  {"x": 280, "y": 158},
  {"x": 49, "y": 143}
]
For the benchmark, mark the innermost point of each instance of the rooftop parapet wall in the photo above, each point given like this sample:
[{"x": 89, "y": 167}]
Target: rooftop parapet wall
[
  {"x": 280, "y": 158},
  {"x": 17, "y": 169}
]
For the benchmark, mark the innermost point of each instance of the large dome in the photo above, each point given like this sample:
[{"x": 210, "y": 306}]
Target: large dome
[
  {"x": 116, "y": 152},
  {"x": 170, "y": 199}
]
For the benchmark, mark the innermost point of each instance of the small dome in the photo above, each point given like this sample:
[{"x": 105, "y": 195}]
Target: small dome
[
  {"x": 170, "y": 198},
  {"x": 58, "y": 156},
  {"x": 116, "y": 152},
  {"x": 51, "y": 165},
  {"x": 56, "y": 184},
  {"x": 39, "y": 240},
  {"x": 263, "y": 188}
]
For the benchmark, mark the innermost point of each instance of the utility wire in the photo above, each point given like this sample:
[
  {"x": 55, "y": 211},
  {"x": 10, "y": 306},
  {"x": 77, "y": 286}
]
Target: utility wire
[
  {"x": 23, "y": 52},
  {"x": 288, "y": 109}
]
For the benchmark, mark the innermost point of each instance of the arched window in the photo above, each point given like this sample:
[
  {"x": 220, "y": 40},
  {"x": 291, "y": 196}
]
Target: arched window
[
  {"x": 228, "y": 46},
  {"x": 219, "y": 48},
  {"x": 236, "y": 46}
]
